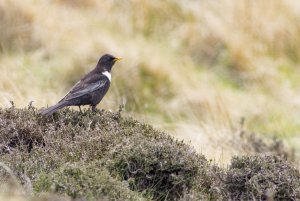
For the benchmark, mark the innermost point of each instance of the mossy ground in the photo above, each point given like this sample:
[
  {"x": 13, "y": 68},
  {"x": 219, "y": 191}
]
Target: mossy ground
[{"x": 104, "y": 156}]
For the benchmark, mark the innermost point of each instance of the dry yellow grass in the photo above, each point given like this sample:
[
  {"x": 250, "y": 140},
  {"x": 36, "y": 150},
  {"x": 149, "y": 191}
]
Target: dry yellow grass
[{"x": 194, "y": 68}]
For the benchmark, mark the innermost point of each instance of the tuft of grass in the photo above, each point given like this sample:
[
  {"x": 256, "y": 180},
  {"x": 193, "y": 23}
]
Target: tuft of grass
[
  {"x": 146, "y": 93},
  {"x": 16, "y": 27}
]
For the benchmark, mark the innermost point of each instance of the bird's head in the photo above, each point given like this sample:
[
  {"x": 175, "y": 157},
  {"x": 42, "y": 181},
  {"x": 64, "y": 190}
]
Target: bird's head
[{"x": 106, "y": 62}]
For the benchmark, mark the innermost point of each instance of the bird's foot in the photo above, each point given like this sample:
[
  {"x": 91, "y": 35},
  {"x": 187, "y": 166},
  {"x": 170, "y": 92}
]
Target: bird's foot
[{"x": 94, "y": 109}]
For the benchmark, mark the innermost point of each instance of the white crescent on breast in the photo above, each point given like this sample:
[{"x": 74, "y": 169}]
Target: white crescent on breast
[{"x": 107, "y": 74}]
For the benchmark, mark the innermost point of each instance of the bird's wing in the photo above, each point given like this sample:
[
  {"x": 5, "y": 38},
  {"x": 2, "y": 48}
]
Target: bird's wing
[{"x": 82, "y": 88}]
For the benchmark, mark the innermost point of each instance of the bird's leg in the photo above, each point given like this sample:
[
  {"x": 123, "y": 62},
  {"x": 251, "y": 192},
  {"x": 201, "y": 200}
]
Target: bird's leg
[
  {"x": 80, "y": 109},
  {"x": 93, "y": 108}
]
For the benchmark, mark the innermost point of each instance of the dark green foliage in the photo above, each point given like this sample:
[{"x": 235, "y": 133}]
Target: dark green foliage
[
  {"x": 104, "y": 156},
  {"x": 157, "y": 166},
  {"x": 149, "y": 161},
  {"x": 262, "y": 178},
  {"x": 91, "y": 181}
]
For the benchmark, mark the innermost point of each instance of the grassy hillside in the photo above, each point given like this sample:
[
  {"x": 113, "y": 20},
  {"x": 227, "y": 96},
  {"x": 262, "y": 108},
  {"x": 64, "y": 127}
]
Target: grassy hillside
[
  {"x": 193, "y": 68},
  {"x": 105, "y": 156}
]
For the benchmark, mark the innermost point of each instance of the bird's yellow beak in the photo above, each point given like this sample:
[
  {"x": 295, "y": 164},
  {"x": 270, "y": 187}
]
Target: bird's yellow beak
[{"x": 116, "y": 59}]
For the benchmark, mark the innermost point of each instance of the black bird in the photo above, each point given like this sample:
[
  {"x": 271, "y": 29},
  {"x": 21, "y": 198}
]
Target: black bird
[{"x": 90, "y": 89}]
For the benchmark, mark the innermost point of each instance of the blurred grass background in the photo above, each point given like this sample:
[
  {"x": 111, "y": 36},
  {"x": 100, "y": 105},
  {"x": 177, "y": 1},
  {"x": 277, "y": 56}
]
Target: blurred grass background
[{"x": 194, "y": 68}]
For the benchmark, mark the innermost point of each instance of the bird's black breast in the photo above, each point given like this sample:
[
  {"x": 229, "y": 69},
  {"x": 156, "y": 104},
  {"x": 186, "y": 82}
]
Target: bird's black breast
[{"x": 97, "y": 95}]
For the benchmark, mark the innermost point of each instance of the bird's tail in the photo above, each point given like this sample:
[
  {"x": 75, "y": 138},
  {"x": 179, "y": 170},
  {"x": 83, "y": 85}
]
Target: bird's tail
[{"x": 50, "y": 110}]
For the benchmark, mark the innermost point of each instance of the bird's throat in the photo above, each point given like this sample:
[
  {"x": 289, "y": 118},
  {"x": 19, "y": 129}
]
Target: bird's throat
[{"x": 107, "y": 74}]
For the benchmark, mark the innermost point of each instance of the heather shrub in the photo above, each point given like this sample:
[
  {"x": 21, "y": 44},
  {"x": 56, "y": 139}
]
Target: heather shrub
[
  {"x": 262, "y": 178},
  {"x": 94, "y": 154}
]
